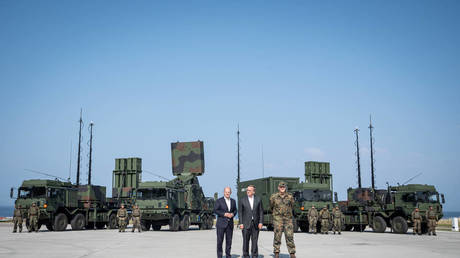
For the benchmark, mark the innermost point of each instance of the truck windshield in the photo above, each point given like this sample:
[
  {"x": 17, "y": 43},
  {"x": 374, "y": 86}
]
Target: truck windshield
[
  {"x": 151, "y": 193},
  {"x": 313, "y": 195},
  {"x": 33, "y": 192},
  {"x": 427, "y": 197}
]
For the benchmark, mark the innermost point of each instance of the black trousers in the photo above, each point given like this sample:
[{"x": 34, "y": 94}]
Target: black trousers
[
  {"x": 228, "y": 233},
  {"x": 251, "y": 233}
]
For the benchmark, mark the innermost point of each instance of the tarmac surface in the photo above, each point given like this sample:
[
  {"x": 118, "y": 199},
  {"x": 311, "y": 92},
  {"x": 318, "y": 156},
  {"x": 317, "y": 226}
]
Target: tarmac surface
[{"x": 197, "y": 243}]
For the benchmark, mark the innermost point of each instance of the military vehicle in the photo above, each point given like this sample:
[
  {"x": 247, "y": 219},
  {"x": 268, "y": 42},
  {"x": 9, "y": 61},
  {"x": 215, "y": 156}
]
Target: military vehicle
[
  {"x": 392, "y": 207},
  {"x": 180, "y": 202},
  {"x": 126, "y": 177},
  {"x": 316, "y": 190}
]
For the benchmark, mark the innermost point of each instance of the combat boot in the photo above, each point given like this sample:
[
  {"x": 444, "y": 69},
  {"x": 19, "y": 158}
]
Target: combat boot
[
  {"x": 334, "y": 232},
  {"x": 340, "y": 233},
  {"x": 14, "y": 231},
  {"x": 434, "y": 233},
  {"x": 277, "y": 255}
]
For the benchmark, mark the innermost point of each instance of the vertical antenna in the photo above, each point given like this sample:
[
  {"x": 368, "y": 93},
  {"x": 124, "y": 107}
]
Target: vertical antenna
[
  {"x": 372, "y": 152},
  {"x": 357, "y": 157},
  {"x": 79, "y": 149},
  {"x": 70, "y": 161},
  {"x": 263, "y": 163},
  {"x": 238, "y": 156},
  {"x": 90, "y": 150}
]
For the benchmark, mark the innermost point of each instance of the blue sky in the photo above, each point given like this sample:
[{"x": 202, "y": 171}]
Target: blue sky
[{"x": 297, "y": 76}]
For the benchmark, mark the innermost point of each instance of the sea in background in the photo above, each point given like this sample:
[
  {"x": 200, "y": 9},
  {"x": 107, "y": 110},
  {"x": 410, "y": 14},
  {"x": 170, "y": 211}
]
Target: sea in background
[{"x": 7, "y": 211}]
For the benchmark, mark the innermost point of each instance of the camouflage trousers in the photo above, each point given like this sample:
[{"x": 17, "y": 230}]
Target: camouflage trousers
[
  {"x": 337, "y": 225},
  {"x": 282, "y": 224},
  {"x": 324, "y": 225},
  {"x": 121, "y": 224},
  {"x": 417, "y": 226},
  {"x": 33, "y": 223},
  {"x": 432, "y": 226},
  {"x": 137, "y": 224},
  {"x": 17, "y": 222},
  {"x": 312, "y": 224}
]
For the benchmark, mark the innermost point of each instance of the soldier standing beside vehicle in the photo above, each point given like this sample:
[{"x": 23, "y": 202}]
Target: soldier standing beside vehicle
[
  {"x": 282, "y": 205},
  {"x": 325, "y": 217},
  {"x": 122, "y": 215},
  {"x": 18, "y": 217},
  {"x": 337, "y": 216},
  {"x": 34, "y": 213},
  {"x": 312, "y": 219},
  {"x": 432, "y": 218},
  {"x": 417, "y": 219},
  {"x": 136, "y": 219}
]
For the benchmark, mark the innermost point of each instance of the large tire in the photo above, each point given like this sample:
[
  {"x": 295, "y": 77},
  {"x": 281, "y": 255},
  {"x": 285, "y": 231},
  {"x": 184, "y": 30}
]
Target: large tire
[
  {"x": 60, "y": 222},
  {"x": 100, "y": 225},
  {"x": 303, "y": 227},
  {"x": 174, "y": 223},
  {"x": 399, "y": 225},
  {"x": 78, "y": 222},
  {"x": 156, "y": 227},
  {"x": 113, "y": 223},
  {"x": 145, "y": 225},
  {"x": 184, "y": 222},
  {"x": 348, "y": 228},
  {"x": 379, "y": 225}
]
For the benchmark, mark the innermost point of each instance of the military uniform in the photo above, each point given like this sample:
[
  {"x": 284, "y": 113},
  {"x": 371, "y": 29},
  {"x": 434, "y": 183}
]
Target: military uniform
[
  {"x": 34, "y": 213},
  {"x": 18, "y": 217},
  {"x": 325, "y": 217},
  {"x": 312, "y": 219},
  {"x": 282, "y": 205},
  {"x": 122, "y": 215},
  {"x": 136, "y": 219},
  {"x": 337, "y": 216},
  {"x": 417, "y": 219},
  {"x": 432, "y": 218}
]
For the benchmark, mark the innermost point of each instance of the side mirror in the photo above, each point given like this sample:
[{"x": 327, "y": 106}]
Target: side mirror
[
  {"x": 336, "y": 199},
  {"x": 443, "y": 199},
  {"x": 12, "y": 190}
]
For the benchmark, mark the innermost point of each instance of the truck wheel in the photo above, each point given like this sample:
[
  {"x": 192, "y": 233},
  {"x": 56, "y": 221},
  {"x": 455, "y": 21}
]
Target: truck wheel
[
  {"x": 174, "y": 223},
  {"x": 145, "y": 224},
  {"x": 156, "y": 227},
  {"x": 113, "y": 223},
  {"x": 379, "y": 225},
  {"x": 204, "y": 223},
  {"x": 100, "y": 225},
  {"x": 49, "y": 226},
  {"x": 185, "y": 222},
  {"x": 60, "y": 222},
  {"x": 304, "y": 227},
  {"x": 399, "y": 225},
  {"x": 78, "y": 222},
  {"x": 348, "y": 228}
]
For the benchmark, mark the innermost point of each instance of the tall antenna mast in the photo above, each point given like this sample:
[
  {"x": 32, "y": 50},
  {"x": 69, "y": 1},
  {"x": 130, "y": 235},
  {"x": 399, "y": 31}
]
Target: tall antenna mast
[
  {"x": 238, "y": 156},
  {"x": 372, "y": 152},
  {"x": 70, "y": 161},
  {"x": 263, "y": 162},
  {"x": 90, "y": 150},
  {"x": 79, "y": 149},
  {"x": 357, "y": 157}
]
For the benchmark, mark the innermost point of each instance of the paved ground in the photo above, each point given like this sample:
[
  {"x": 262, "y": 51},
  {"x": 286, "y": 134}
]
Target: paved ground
[{"x": 196, "y": 243}]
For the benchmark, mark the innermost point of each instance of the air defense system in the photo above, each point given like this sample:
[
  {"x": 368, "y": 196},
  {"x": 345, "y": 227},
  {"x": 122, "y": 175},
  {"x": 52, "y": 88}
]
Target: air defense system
[
  {"x": 316, "y": 191},
  {"x": 180, "y": 202}
]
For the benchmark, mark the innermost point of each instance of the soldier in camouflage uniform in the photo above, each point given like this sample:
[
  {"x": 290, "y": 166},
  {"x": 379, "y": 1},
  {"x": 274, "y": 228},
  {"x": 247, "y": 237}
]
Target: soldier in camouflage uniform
[
  {"x": 325, "y": 217},
  {"x": 417, "y": 219},
  {"x": 432, "y": 218},
  {"x": 312, "y": 219},
  {"x": 122, "y": 215},
  {"x": 136, "y": 219},
  {"x": 34, "y": 213},
  {"x": 18, "y": 217},
  {"x": 337, "y": 216},
  {"x": 282, "y": 205}
]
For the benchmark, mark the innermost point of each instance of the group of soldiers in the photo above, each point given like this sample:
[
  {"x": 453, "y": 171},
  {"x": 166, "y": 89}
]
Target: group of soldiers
[
  {"x": 122, "y": 216},
  {"x": 325, "y": 216},
  {"x": 18, "y": 218},
  {"x": 431, "y": 218}
]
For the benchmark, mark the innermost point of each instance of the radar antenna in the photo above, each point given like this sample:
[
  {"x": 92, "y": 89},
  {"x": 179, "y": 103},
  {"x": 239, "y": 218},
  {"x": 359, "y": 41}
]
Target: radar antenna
[
  {"x": 91, "y": 124},
  {"x": 357, "y": 157},
  {"x": 372, "y": 152},
  {"x": 79, "y": 149}
]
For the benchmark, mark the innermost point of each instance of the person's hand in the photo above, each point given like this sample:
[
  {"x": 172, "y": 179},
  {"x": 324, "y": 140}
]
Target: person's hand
[
  {"x": 241, "y": 226},
  {"x": 226, "y": 214},
  {"x": 230, "y": 215},
  {"x": 260, "y": 225}
]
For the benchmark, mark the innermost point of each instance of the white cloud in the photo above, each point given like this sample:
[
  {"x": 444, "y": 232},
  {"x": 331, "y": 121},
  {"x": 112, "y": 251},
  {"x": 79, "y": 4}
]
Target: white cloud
[{"x": 314, "y": 153}]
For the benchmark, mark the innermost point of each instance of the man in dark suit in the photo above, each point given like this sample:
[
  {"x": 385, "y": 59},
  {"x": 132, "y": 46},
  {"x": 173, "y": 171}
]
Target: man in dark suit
[
  {"x": 225, "y": 209},
  {"x": 251, "y": 215}
]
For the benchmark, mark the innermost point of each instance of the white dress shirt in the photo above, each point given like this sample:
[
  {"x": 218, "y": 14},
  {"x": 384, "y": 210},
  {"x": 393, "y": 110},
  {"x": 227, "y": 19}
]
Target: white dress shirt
[
  {"x": 227, "y": 201},
  {"x": 251, "y": 202}
]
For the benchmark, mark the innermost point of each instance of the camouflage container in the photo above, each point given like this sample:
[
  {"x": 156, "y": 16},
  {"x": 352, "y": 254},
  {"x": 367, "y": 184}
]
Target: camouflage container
[
  {"x": 318, "y": 173},
  {"x": 91, "y": 193},
  {"x": 187, "y": 158}
]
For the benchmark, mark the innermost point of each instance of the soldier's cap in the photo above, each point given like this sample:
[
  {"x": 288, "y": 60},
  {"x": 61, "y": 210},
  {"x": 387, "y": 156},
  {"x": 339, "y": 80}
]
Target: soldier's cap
[{"x": 282, "y": 184}]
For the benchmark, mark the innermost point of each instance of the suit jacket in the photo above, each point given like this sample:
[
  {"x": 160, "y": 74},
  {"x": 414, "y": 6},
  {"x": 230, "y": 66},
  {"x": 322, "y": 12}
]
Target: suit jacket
[
  {"x": 220, "y": 208},
  {"x": 246, "y": 213}
]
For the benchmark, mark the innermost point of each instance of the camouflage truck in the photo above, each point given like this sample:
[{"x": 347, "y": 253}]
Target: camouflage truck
[
  {"x": 316, "y": 190},
  {"x": 379, "y": 208},
  {"x": 180, "y": 202},
  {"x": 61, "y": 203}
]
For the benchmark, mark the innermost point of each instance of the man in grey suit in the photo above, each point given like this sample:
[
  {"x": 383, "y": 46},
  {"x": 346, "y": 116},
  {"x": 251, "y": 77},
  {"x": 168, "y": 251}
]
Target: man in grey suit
[{"x": 251, "y": 216}]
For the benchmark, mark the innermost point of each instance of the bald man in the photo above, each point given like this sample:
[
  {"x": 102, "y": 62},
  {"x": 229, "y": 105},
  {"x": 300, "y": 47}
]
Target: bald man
[{"x": 225, "y": 209}]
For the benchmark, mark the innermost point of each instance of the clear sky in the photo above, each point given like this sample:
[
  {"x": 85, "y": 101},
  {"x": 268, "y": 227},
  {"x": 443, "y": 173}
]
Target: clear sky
[{"x": 297, "y": 76}]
